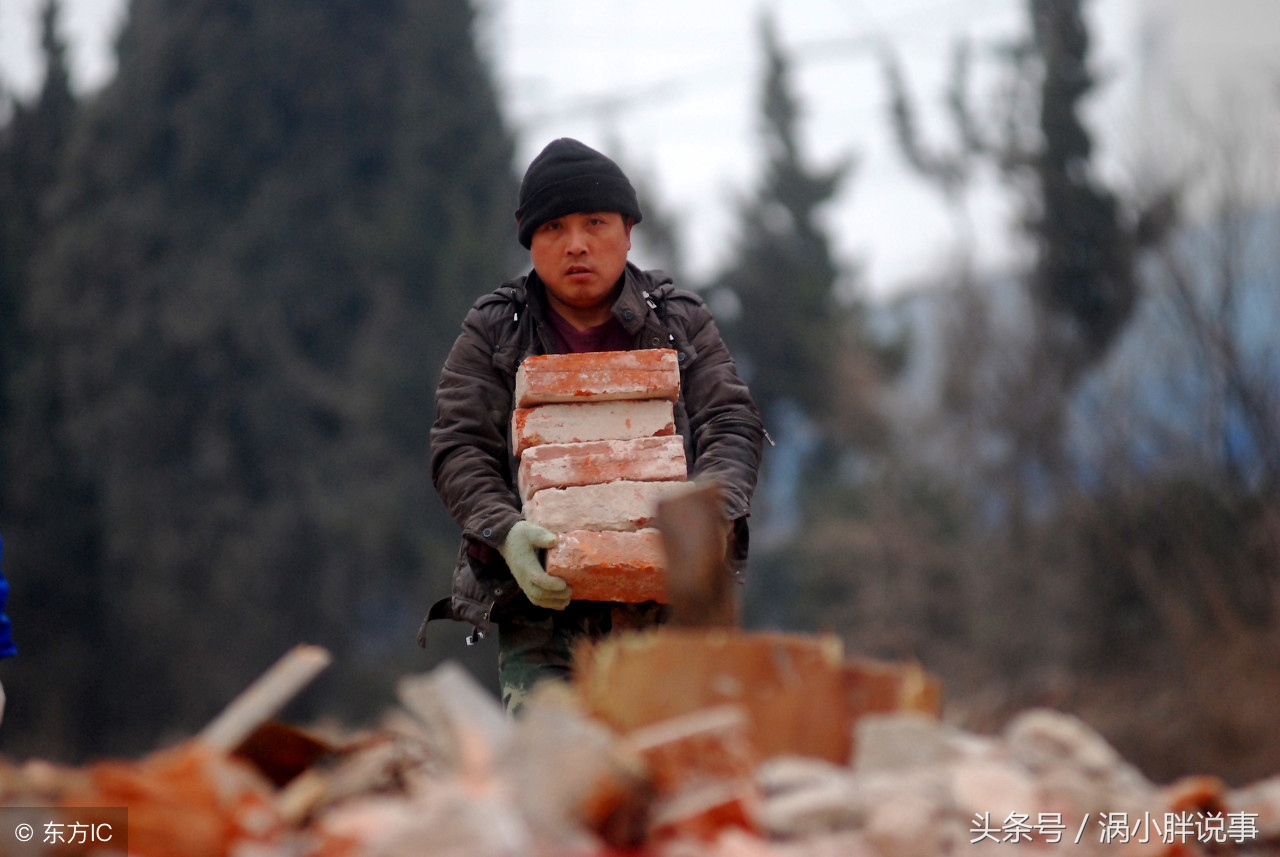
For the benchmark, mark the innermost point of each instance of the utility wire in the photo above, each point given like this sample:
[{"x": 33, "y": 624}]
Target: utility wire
[{"x": 606, "y": 106}]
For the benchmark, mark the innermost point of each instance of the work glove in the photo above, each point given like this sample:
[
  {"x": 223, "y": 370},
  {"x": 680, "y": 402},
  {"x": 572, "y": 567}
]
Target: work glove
[{"x": 520, "y": 550}]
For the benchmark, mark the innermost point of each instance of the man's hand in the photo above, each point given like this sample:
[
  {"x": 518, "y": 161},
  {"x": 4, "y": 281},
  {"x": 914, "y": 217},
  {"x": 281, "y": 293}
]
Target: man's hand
[{"x": 520, "y": 552}]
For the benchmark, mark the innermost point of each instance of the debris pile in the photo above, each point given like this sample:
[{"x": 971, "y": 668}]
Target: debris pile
[{"x": 668, "y": 744}]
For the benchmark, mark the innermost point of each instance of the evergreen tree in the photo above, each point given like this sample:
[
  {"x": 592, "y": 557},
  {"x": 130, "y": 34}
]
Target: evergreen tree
[
  {"x": 794, "y": 339},
  {"x": 1083, "y": 282},
  {"x": 270, "y": 224},
  {"x": 783, "y": 275},
  {"x": 1084, "y": 270},
  {"x": 46, "y": 512},
  {"x": 30, "y": 146},
  {"x": 1083, "y": 279}
]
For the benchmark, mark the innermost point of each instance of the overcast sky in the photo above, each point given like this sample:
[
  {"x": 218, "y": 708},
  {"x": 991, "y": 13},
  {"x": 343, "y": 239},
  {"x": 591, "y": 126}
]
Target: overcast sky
[{"x": 671, "y": 88}]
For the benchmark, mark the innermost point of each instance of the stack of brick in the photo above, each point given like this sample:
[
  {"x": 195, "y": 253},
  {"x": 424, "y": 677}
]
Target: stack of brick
[{"x": 595, "y": 435}]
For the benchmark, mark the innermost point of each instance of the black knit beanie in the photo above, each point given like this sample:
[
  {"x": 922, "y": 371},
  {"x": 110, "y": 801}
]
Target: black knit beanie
[{"x": 568, "y": 177}]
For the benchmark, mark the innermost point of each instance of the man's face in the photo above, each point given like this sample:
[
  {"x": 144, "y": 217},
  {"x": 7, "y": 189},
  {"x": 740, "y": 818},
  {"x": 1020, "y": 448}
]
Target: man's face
[{"x": 580, "y": 258}]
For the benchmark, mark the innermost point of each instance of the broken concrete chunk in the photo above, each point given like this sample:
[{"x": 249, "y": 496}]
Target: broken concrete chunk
[
  {"x": 807, "y": 796},
  {"x": 842, "y": 844},
  {"x": 896, "y": 742},
  {"x": 558, "y": 737},
  {"x": 577, "y": 423},
  {"x": 1260, "y": 801},
  {"x": 1042, "y": 738},
  {"x": 622, "y": 506},
  {"x": 453, "y": 820},
  {"x": 560, "y": 465},
  {"x": 625, "y": 568},
  {"x": 1045, "y": 740},
  {"x": 783, "y": 774},
  {"x": 650, "y": 373},
  {"x": 908, "y": 826},
  {"x": 997, "y": 788},
  {"x": 464, "y": 719}
]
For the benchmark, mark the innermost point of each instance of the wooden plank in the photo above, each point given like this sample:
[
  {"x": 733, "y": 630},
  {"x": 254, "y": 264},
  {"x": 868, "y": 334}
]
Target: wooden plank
[
  {"x": 694, "y": 539},
  {"x": 260, "y": 701}
]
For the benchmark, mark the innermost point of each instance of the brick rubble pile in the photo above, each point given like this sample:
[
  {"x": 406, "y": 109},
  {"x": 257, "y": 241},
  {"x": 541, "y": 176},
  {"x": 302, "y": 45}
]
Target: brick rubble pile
[{"x": 734, "y": 761}]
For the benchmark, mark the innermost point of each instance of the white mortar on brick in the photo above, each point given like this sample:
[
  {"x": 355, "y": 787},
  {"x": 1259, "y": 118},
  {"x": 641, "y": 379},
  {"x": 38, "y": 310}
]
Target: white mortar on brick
[{"x": 621, "y": 506}]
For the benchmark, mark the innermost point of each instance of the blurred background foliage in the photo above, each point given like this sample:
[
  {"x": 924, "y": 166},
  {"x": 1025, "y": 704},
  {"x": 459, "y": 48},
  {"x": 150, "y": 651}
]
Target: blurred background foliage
[{"x": 228, "y": 281}]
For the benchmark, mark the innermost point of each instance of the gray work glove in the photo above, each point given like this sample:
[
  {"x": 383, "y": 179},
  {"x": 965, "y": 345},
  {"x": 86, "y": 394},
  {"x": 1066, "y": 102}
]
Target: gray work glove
[{"x": 520, "y": 550}]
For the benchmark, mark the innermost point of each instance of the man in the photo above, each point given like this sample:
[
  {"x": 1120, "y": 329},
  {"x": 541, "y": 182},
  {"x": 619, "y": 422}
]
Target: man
[{"x": 575, "y": 215}]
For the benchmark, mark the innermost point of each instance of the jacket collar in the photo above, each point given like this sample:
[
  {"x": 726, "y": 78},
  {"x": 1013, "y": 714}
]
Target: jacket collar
[{"x": 630, "y": 308}]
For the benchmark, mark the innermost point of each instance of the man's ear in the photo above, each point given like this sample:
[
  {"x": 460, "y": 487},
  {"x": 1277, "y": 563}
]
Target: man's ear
[{"x": 628, "y": 222}]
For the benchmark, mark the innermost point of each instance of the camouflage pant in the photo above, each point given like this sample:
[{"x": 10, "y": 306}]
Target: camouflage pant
[{"x": 537, "y": 646}]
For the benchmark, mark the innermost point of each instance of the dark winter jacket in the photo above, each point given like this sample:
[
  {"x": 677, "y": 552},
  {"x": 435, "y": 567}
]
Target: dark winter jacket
[{"x": 472, "y": 465}]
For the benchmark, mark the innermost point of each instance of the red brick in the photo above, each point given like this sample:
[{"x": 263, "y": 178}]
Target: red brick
[
  {"x": 620, "y": 567},
  {"x": 706, "y": 811},
  {"x": 575, "y": 423},
  {"x": 649, "y": 373},
  {"x": 623, "y": 506},
  {"x": 802, "y": 698},
  {"x": 792, "y": 687},
  {"x": 702, "y": 767},
  {"x": 559, "y": 465},
  {"x": 880, "y": 687},
  {"x": 707, "y": 744}
]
